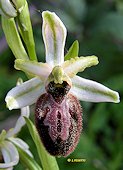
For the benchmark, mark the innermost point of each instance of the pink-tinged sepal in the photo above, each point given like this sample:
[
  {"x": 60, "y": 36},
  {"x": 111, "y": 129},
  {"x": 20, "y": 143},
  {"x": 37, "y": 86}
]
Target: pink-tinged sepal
[{"x": 59, "y": 125}]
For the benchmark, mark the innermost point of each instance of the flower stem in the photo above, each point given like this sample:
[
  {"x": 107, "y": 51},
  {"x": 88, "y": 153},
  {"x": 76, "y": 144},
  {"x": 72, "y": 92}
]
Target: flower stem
[
  {"x": 25, "y": 29},
  {"x": 28, "y": 161}
]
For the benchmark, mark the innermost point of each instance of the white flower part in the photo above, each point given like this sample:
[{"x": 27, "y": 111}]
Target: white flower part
[
  {"x": 7, "y": 9},
  {"x": 54, "y": 35},
  {"x": 25, "y": 94},
  {"x": 20, "y": 122},
  {"x": 6, "y": 158},
  {"x": 8, "y": 141},
  {"x": 25, "y": 111},
  {"x": 32, "y": 67},
  {"x": 10, "y": 155},
  {"x": 20, "y": 143},
  {"x": 88, "y": 90}
]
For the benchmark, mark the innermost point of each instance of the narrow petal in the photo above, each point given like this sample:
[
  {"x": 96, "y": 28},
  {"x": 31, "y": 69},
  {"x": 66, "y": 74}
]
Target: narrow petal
[
  {"x": 23, "y": 145},
  {"x": 10, "y": 155},
  {"x": 54, "y": 35},
  {"x": 73, "y": 66},
  {"x": 88, "y": 90},
  {"x": 19, "y": 142},
  {"x": 73, "y": 51},
  {"x": 25, "y": 94},
  {"x": 20, "y": 122},
  {"x": 32, "y": 67}
]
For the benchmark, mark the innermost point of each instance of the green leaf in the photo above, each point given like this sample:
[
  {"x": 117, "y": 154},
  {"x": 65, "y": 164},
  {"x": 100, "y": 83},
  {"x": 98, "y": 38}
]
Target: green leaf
[
  {"x": 73, "y": 51},
  {"x": 48, "y": 161},
  {"x": 28, "y": 161},
  {"x": 13, "y": 38}
]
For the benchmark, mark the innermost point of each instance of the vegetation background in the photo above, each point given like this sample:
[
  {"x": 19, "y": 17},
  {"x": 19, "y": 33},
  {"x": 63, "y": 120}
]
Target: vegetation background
[{"x": 98, "y": 25}]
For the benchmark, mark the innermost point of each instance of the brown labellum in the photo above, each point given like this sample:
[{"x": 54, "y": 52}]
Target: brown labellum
[{"x": 58, "y": 117}]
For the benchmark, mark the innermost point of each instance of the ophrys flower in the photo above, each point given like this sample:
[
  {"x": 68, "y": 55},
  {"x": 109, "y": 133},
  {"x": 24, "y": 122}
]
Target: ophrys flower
[
  {"x": 55, "y": 90},
  {"x": 9, "y": 141}
]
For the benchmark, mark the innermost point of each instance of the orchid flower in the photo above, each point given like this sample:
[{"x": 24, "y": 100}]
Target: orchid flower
[
  {"x": 9, "y": 141},
  {"x": 56, "y": 89},
  {"x": 58, "y": 70}
]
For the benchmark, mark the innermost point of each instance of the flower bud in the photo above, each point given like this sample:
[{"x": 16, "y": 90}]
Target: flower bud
[
  {"x": 10, "y": 9},
  {"x": 7, "y": 9}
]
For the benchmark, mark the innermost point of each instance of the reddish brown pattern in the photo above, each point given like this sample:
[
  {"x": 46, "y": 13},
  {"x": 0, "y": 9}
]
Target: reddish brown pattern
[{"x": 59, "y": 124}]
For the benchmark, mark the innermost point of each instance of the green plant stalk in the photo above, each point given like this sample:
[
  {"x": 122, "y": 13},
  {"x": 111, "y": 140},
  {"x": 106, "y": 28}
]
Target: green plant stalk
[
  {"x": 19, "y": 4},
  {"x": 28, "y": 161},
  {"x": 13, "y": 38},
  {"x": 48, "y": 162},
  {"x": 25, "y": 29}
]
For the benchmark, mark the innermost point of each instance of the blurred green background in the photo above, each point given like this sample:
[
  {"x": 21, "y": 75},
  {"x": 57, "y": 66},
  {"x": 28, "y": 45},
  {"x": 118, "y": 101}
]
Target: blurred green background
[{"x": 98, "y": 25}]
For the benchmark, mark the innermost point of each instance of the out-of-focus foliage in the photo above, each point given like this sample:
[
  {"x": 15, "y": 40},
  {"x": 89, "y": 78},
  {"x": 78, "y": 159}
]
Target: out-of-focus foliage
[{"x": 98, "y": 26}]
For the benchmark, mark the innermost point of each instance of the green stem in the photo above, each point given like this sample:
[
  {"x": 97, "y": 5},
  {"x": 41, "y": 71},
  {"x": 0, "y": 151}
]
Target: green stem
[
  {"x": 25, "y": 29},
  {"x": 28, "y": 161}
]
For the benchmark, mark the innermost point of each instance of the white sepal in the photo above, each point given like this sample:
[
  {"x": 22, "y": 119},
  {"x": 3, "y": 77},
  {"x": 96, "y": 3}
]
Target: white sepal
[
  {"x": 25, "y": 94},
  {"x": 54, "y": 35},
  {"x": 88, "y": 90}
]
